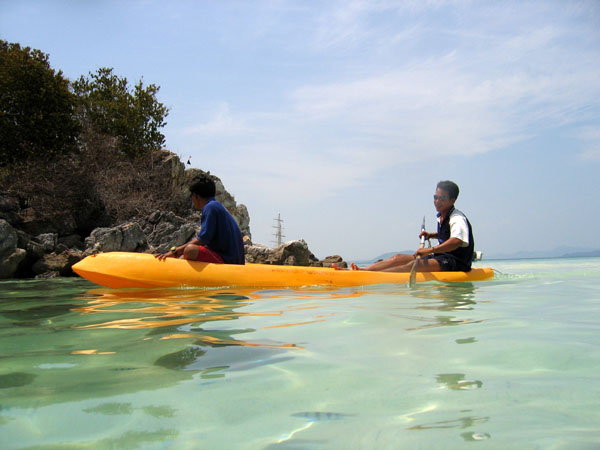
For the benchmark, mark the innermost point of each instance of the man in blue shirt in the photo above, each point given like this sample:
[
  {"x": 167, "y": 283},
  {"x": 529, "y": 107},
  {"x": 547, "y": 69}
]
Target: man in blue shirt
[{"x": 219, "y": 239}]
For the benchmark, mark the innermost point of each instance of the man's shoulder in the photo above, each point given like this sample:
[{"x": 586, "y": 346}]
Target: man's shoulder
[
  {"x": 456, "y": 212},
  {"x": 457, "y": 216},
  {"x": 214, "y": 205}
]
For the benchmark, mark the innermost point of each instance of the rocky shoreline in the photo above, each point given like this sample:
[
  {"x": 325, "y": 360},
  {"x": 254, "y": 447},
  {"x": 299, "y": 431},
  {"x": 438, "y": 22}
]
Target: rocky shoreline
[
  {"x": 36, "y": 247},
  {"x": 47, "y": 255}
]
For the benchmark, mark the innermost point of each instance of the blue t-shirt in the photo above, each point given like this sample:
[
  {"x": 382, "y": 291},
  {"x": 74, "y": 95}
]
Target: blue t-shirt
[{"x": 221, "y": 233}]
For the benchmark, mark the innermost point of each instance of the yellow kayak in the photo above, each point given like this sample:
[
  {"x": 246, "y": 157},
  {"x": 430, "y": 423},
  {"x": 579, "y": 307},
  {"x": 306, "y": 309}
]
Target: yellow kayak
[{"x": 130, "y": 270}]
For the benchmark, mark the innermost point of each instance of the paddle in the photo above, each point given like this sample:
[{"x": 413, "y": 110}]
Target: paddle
[{"x": 413, "y": 271}]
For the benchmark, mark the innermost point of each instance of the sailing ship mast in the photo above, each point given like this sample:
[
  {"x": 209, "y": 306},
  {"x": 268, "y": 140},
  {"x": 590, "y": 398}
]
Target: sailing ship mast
[{"x": 278, "y": 231}]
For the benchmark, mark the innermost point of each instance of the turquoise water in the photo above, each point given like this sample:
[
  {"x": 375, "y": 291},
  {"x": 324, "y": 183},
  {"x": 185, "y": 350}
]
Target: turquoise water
[{"x": 508, "y": 363}]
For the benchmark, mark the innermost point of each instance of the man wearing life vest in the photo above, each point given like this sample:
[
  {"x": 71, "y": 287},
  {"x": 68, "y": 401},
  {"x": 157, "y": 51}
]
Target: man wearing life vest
[{"x": 454, "y": 251}]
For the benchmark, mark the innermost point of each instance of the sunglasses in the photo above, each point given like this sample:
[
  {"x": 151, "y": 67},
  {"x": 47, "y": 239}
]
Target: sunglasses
[{"x": 443, "y": 198}]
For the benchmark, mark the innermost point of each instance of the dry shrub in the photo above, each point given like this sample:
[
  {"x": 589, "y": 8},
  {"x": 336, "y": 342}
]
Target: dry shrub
[{"x": 99, "y": 182}]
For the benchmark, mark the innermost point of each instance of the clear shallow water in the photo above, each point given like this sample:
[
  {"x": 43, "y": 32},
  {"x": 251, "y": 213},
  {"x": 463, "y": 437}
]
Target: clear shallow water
[{"x": 509, "y": 363}]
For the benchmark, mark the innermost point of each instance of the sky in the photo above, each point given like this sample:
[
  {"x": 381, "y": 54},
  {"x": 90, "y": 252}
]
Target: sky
[{"x": 342, "y": 116}]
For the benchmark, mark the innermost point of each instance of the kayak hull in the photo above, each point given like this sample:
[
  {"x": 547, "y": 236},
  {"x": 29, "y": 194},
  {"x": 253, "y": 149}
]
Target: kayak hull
[{"x": 142, "y": 270}]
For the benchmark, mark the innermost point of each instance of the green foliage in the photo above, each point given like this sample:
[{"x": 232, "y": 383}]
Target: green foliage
[
  {"x": 36, "y": 107},
  {"x": 133, "y": 117}
]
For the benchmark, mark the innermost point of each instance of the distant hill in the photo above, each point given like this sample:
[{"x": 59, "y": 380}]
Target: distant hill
[
  {"x": 582, "y": 254},
  {"x": 559, "y": 252}
]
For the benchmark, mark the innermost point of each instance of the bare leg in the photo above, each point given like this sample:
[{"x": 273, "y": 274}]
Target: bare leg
[
  {"x": 190, "y": 252},
  {"x": 424, "y": 265},
  {"x": 398, "y": 260}
]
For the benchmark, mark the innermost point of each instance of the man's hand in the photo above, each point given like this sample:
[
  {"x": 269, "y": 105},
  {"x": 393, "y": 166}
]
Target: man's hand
[
  {"x": 163, "y": 256},
  {"x": 422, "y": 252},
  {"x": 427, "y": 235}
]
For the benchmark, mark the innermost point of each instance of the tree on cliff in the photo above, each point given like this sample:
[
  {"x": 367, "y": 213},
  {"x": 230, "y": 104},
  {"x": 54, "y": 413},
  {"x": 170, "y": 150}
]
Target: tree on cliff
[
  {"x": 68, "y": 151},
  {"x": 36, "y": 107},
  {"x": 133, "y": 117}
]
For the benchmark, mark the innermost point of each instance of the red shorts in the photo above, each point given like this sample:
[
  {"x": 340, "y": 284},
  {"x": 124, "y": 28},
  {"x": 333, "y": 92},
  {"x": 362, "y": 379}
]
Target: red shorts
[{"x": 205, "y": 254}]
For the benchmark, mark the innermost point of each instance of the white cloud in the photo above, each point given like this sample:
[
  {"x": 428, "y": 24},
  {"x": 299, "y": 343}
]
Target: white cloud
[
  {"x": 223, "y": 122},
  {"x": 591, "y": 153},
  {"x": 591, "y": 139},
  {"x": 485, "y": 79}
]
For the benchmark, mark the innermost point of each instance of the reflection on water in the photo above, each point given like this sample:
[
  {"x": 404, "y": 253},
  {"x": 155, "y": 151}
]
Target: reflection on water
[
  {"x": 462, "y": 422},
  {"x": 115, "y": 342},
  {"x": 112, "y": 341},
  {"x": 440, "y": 365},
  {"x": 321, "y": 416},
  {"x": 169, "y": 313},
  {"x": 124, "y": 340},
  {"x": 115, "y": 409},
  {"x": 16, "y": 379},
  {"x": 445, "y": 297},
  {"x": 181, "y": 313},
  {"x": 457, "y": 381}
]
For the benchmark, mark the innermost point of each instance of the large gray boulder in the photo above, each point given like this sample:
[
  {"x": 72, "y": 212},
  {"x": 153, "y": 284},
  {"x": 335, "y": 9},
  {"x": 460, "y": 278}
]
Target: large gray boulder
[
  {"x": 10, "y": 264},
  {"x": 165, "y": 230},
  {"x": 329, "y": 261},
  {"x": 10, "y": 255},
  {"x": 258, "y": 253},
  {"x": 292, "y": 253},
  {"x": 128, "y": 237},
  {"x": 55, "y": 265},
  {"x": 8, "y": 239},
  {"x": 48, "y": 241}
]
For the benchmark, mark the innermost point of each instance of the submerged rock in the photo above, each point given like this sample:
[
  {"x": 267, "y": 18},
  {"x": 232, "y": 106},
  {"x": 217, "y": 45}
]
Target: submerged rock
[{"x": 16, "y": 379}]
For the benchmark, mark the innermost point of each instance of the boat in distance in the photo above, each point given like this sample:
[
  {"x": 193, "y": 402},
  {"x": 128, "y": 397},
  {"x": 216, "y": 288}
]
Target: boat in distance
[{"x": 143, "y": 270}]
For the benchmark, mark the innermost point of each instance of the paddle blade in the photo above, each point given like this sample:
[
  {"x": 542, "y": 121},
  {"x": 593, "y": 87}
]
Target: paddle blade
[{"x": 412, "y": 280}]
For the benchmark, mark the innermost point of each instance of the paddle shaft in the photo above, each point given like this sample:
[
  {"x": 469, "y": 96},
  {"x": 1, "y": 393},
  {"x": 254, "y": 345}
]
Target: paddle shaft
[{"x": 413, "y": 271}]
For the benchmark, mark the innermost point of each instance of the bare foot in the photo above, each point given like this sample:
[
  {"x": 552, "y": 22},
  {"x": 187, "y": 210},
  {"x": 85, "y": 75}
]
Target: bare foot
[{"x": 352, "y": 267}]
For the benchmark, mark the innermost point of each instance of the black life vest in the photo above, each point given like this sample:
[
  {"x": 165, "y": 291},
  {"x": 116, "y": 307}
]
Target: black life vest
[{"x": 463, "y": 254}]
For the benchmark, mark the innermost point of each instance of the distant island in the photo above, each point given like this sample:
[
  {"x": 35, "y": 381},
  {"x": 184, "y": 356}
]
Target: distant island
[{"x": 559, "y": 252}]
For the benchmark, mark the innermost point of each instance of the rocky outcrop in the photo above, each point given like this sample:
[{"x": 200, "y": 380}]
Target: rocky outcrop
[
  {"x": 42, "y": 244},
  {"x": 165, "y": 229},
  {"x": 10, "y": 255},
  {"x": 48, "y": 255},
  {"x": 128, "y": 237},
  {"x": 334, "y": 259},
  {"x": 10, "y": 264},
  {"x": 292, "y": 253},
  {"x": 56, "y": 264}
]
